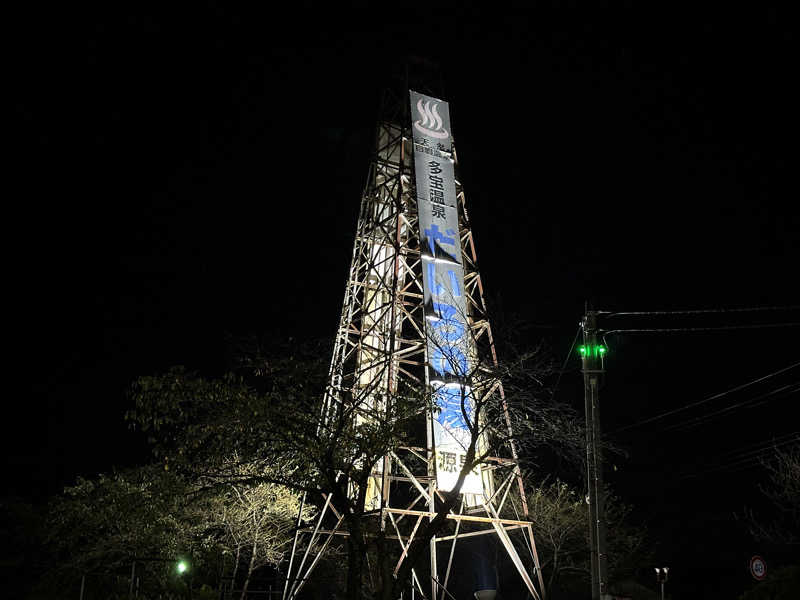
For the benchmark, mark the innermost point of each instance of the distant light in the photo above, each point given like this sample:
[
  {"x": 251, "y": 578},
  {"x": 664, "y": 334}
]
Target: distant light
[{"x": 182, "y": 567}]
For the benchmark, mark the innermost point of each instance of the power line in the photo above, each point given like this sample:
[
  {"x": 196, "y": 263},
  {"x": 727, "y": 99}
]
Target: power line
[
  {"x": 766, "y": 447},
  {"x": 754, "y": 450},
  {"x": 743, "y": 457},
  {"x": 566, "y": 360},
  {"x": 744, "y": 460},
  {"x": 700, "y": 311},
  {"x": 750, "y": 403},
  {"x": 758, "y": 448},
  {"x": 761, "y": 443},
  {"x": 691, "y": 329},
  {"x": 709, "y": 399},
  {"x": 733, "y": 468}
]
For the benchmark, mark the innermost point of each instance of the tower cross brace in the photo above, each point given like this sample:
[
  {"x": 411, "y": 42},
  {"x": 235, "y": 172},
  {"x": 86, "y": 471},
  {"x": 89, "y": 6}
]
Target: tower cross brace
[{"x": 381, "y": 351}]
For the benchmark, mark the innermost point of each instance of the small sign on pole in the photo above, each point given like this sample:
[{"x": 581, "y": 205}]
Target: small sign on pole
[{"x": 758, "y": 568}]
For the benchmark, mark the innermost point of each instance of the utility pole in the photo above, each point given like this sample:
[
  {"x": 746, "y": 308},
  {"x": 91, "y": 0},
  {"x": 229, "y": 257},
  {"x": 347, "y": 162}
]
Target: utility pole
[
  {"x": 592, "y": 354},
  {"x": 661, "y": 577}
]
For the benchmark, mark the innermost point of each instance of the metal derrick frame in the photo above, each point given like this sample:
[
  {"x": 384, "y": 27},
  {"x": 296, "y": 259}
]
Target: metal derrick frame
[{"x": 381, "y": 342}]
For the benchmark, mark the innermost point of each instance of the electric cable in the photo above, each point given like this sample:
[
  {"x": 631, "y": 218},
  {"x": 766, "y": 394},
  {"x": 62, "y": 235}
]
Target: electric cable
[
  {"x": 692, "y": 329},
  {"x": 789, "y": 438},
  {"x": 703, "y": 311},
  {"x": 744, "y": 463},
  {"x": 736, "y": 457},
  {"x": 735, "y": 468},
  {"x": 762, "y": 443},
  {"x": 566, "y": 360},
  {"x": 745, "y": 460},
  {"x": 709, "y": 399},
  {"x": 751, "y": 403}
]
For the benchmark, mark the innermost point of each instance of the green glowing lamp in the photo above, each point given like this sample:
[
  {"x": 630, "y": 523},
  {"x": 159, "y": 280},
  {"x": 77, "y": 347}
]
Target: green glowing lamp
[
  {"x": 182, "y": 567},
  {"x": 592, "y": 351}
]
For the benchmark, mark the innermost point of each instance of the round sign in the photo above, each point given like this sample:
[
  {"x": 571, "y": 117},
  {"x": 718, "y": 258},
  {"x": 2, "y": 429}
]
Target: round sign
[{"x": 758, "y": 568}]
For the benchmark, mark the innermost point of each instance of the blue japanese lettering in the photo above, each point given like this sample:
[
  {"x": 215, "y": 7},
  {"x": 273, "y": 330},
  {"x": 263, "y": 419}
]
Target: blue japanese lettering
[
  {"x": 453, "y": 363},
  {"x": 434, "y": 235}
]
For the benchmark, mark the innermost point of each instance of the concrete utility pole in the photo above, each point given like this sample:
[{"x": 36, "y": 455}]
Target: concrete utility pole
[{"x": 592, "y": 354}]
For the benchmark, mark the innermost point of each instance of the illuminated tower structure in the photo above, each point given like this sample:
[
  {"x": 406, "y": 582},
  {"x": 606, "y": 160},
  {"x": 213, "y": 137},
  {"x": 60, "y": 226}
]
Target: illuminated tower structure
[{"x": 414, "y": 317}]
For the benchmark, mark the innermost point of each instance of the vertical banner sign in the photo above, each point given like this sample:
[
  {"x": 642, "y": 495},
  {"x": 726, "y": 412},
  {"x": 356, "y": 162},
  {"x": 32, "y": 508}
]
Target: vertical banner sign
[{"x": 447, "y": 330}]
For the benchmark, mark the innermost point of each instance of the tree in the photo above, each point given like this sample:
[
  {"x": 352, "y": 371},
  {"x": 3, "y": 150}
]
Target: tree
[
  {"x": 257, "y": 522},
  {"x": 508, "y": 406},
  {"x": 274, "y": 426},
  {"x": 286, "y": 426},
  {"x": 155, "y": 517},
  {"x": 101, "y": 526},
  {"x": 561, "y": 515},
  {"x": 783, "y": 492},
  {"x": 781, "y": 584}
]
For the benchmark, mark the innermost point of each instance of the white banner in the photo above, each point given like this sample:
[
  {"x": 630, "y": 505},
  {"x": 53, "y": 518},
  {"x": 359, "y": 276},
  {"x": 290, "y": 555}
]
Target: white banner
[{"x": 447, "y": 329}]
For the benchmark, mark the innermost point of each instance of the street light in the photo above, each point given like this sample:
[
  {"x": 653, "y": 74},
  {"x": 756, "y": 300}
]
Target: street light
[
  {"x": 661, "y": 577},
  {"x": 183, "y": 567}
]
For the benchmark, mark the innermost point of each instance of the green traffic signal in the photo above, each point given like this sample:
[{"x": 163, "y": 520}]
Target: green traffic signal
[{"x": 182, "y": 567}]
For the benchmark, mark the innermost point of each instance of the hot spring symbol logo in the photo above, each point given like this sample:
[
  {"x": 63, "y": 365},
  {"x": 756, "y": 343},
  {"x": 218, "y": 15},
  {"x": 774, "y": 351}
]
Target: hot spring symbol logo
[{"x": 430, "y": 123}]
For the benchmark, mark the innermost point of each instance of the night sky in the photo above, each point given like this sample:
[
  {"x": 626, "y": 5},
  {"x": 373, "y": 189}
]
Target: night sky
[{"x": 179, "y": 176}]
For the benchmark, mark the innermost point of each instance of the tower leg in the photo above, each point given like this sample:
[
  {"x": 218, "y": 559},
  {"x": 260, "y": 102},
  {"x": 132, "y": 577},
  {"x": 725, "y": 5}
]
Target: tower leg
[
  {"x": 314, "y": 562},
  {"x": 311, "y": 541},
  {"x": 512, "y": 552}
]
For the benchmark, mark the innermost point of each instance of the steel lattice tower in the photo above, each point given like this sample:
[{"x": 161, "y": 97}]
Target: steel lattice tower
[{"x": 380, "y": 347}]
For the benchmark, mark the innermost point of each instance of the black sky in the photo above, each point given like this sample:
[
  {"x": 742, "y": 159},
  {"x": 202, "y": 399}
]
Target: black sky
[{"x": 179, "y": 174}]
